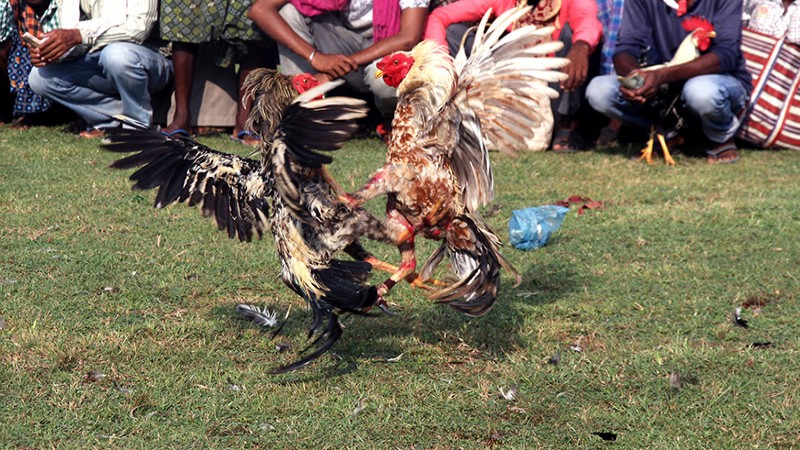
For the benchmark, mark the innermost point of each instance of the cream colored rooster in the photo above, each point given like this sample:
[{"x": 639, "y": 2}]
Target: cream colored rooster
[
  {"x": 437, "y": 171},
  {"x": 701, "y": 31}
]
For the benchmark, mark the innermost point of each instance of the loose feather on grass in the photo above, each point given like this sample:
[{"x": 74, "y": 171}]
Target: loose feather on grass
[{"x": 259, "y": 316}]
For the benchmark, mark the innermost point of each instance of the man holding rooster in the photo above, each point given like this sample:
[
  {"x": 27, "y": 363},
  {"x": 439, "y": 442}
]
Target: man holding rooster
[{"x": 716, "y": 84}]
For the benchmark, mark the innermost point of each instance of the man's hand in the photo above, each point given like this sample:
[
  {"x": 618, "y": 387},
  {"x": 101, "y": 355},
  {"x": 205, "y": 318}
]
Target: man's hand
[
  {"x": 653, "y": 79},
  {"x": 578, "y": 67},
  {"x": 322, "y": 77},
  {"x": 336, "y": 66},
  {"x": 56, "y": 43}
]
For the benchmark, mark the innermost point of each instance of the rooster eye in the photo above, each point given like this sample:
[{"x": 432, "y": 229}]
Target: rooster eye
[{"x": 396, "y": 62}]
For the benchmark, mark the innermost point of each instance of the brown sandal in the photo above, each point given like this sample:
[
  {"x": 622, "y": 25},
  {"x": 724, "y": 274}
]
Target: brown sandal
[{"x": 719, "y": 155}]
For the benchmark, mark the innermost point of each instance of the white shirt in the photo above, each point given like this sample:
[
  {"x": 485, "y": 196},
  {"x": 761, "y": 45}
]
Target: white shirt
[{"x": 109, "y": 20}]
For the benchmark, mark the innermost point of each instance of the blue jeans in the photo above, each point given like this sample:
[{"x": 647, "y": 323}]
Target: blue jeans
[
  {"x": 717, "y": 100},
  {"x": 118, "y": 79}
]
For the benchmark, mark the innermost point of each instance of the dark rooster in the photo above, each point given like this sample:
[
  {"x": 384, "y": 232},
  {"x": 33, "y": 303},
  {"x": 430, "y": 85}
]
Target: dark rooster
[
  {"x": 285, "y": 192},
  {"x": 437, "y": 171}
]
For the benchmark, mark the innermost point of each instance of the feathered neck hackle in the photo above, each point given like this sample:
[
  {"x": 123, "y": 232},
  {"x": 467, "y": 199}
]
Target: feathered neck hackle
[{"x": 432, "y": 74}]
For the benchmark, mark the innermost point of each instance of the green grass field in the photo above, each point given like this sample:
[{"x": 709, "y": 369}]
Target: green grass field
[{"x": 118, "y": 323}]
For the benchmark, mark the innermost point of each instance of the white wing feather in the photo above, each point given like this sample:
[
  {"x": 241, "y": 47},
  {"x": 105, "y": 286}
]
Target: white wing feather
[{"x": 510, "y": 70}]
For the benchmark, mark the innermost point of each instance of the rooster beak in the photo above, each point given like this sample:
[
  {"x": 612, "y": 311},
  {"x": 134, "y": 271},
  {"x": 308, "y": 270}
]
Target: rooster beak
[
  {"x": 378, "y": 73},
  {"x": 712, "y": 34}
]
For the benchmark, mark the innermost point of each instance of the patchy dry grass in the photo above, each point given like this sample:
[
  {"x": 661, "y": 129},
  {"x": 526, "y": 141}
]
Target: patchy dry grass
[{"x": 119, "y": 330}]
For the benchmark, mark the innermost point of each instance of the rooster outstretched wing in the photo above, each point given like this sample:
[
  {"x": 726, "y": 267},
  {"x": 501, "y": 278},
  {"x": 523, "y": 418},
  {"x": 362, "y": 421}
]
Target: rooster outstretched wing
[
  {"x": 284, "y": 193},
  {"x": 498, "y": 94},
  {"x": 230, "y": 188}
]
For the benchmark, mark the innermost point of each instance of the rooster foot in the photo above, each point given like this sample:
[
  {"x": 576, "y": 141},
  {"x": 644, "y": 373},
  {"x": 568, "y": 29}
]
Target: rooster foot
[
  {"x": 383, "y": 306},
  {"x": 413, "y": 278},
  {"x": 415, "y": 281},
  {"x": 665, "y": 150}
]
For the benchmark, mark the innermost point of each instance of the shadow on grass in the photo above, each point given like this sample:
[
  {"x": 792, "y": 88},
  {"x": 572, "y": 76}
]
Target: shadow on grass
[{"x": 376, "y": 337}]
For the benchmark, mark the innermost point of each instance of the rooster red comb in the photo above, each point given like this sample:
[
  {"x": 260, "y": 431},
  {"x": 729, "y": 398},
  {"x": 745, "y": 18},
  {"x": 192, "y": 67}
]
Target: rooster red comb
[{"x": 696, "y": 22}]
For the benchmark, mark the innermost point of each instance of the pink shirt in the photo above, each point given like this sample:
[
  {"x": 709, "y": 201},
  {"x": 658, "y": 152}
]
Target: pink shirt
[{"x": 581, "y": 15}]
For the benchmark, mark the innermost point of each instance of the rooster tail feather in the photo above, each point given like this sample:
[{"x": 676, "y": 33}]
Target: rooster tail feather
[
  {"x": 338, "y": 287},
  {"x": 475, "y": 256},
  {"x": 323, "y": 343},
  {"x": 433, "y": 261},
  {"x": 344, "y": 285}
]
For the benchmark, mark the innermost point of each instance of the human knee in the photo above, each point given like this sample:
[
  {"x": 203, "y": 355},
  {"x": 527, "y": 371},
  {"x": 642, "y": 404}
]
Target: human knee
[
  {"x": 702, "y": 96},
  {"x": 292, "y": 16},
  {"x": 601, "y": 92},
  {"x": 36, "y": 82},
  {"x": 119, "y": 59}
]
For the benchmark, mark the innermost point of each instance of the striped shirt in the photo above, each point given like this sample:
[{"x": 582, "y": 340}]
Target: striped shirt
[
  {"x": 109, "y": 20},
  {"x": 48, "y": 21}
]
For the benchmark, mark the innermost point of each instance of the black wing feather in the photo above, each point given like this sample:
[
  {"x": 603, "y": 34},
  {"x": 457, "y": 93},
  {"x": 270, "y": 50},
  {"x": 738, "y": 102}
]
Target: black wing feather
[{"x": 183, "y": 169}]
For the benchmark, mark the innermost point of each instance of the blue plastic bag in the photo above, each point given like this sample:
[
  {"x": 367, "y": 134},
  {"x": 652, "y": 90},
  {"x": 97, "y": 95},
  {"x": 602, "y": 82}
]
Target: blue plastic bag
[{"x": 531, "y": 228}]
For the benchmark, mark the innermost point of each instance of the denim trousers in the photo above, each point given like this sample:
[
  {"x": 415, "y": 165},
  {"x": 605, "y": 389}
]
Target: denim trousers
[
  {"x": 717, "y": 100},
  {"x": 118, "y": 79}
]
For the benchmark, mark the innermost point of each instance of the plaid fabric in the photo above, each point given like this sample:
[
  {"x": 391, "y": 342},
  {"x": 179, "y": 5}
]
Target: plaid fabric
[
  {"x": 609, "y": 12},
  {"x": 773, "y": 117},
  {"x": 26, "y": 18}
]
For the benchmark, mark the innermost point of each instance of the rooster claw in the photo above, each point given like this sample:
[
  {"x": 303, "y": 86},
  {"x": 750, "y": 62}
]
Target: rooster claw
[{"x": 385, "y": 307}]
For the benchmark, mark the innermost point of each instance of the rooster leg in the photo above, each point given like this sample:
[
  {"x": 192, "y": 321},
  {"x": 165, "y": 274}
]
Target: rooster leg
[
  {"x": 376, "y": 186},
  {"x": 665, "y": 148},
  {"x": 412, "y": 278},
  {"x": 358, "y": 252},
  {"x": 405, "y": 244},
  {"x": 647, "y": 151},
  {"x": 407, "y": 266},
  {"x": 326, "y": 175}
]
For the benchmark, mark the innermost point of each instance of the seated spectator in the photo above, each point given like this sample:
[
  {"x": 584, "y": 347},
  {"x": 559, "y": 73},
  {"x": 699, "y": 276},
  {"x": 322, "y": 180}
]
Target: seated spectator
[
  {"x": 237, "y": 41},
  {"x": 576, "y": 25},
  {"x": 18, "y": 17},
  {"x": 610, "y": 15},
  {"x": 98, "y": 66},
  {"x": 716, "y": 84},
  {"x": 341, "y": 39},
  {"x": 775, "y": 17}
]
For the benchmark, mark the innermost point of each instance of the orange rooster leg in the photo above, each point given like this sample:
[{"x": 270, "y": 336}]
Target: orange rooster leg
[
  {"x": 412, "y": 278},
  {"x": 337, "y": 188},
  {"x": 647, "y": 151},
  {"x": 664, "y": 148},
  {"x": 409, "y": 263}
]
